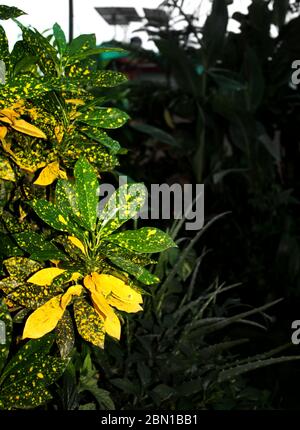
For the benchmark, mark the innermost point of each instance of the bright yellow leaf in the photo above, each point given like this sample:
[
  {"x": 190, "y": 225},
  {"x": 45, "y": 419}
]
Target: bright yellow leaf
[
  {"x": 3, "y": 132},
  {"x": 129, "y": 307},
  {"x": 26, "y": 128},
  {"x": 101, "y": 287},
  {"x": 122, "y": 296},
  {"x": 23, "y": 214},
  {"x": 44, "y": 319},
  {"x": 19, "y": 105},
  {"x": 112, "y": 324},
  {"x": 6, "y": 147},
  {"x": 5, "y": 119},
  {"x": 89, "y": 284},
  {"x": 75, "y": 276},
  {"x": 59, "y": 133},
  {"x": 55, "y": 262},
  {"x": 76, "y": 102},
  {"x": 75, "y": 290},
  {"x": 76, "y": 242},
  {"x": 10, "y": 114},
  {"x": 45, "y": 276},
  {"x": 50, "y": 173}
]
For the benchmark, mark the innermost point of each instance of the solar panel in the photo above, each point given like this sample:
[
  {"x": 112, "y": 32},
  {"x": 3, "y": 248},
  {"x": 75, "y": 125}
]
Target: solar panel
[
  {"x": 156, "y": 16},
  {"x": 118, "y": 15}
]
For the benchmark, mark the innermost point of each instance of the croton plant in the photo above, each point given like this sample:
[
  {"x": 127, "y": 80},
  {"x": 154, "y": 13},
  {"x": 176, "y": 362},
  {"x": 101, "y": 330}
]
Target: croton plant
[{"x": 69, "y": 270}]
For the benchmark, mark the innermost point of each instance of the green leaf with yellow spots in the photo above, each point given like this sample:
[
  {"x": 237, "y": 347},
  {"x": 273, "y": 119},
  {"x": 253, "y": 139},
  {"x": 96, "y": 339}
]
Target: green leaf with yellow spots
[
  {"x": 8, "y": 285},
  {"x": 33, "y": 296},
  {"x": 20, "y": 396},
  {"x": 24, "y": 381},
  {"x": 105, "y": 79},
  {"x": 101, "y": 137},
  {"x": 65, "y": 198},
  {"x": 67, "y": 202},
  {"x": 38, "y": 247},
  {"x": 65, "y": 336},
  {"x": 144, "y": 240},
  {"x": 25, "y": 86},
  {"x": 60, "y": 38},
  {"x": 6, "y": 171},
  {"x": 122, "y": 205},
  {"x": 109, "y": 118},
  {"x": 4, "y": 51},
  {"x": 82, "y": 75},
  {"x": 7, "y": 12},
  {"x": 5, "y": 332},
  {"x": 139, "y": 272},
  {"x": 81, "y": 43},
  {"x": 38, "y": 46},
  {"x": 88, "y": 52},
  {"x": 99, "y": 156},
  {"x": 19, "y": 268},
  {"x": 86, "y": 186},
  {"x": 111, "y": 249},
  {"x": 20, "y": 60},
  {"x": 8, "y": 247},
  {"x": 51, "y": 215},
  {"x": 21, "y": 87},
  {"x": 27, "y": 351},
  {"x": 88, "y": 322}
]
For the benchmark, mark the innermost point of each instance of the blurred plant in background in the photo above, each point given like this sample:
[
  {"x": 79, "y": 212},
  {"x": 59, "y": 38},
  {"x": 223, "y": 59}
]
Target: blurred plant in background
[
  {"x": 220, "y": 108},
  {"x": 222, "y": 111}
]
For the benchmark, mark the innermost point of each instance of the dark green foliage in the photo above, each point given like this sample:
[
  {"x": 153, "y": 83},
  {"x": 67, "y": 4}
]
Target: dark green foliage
[
  {"x": 25, "y": 378},
  {"x": 224, "y": 114}
]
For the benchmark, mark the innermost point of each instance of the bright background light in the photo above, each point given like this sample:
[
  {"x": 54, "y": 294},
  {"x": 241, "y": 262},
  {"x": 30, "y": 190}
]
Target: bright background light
[{"x": 42, "y": 14}]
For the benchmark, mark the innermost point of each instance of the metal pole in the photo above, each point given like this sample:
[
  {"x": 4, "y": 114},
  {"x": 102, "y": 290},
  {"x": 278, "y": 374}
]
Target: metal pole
[{"x": 71, "y": 20}]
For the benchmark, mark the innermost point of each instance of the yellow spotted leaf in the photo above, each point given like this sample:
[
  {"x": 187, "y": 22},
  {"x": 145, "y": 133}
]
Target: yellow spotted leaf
[
  {"x": 18, "y": 161},
  {"x": 44, "y": 319},
  {"x": 26, "y": 128},
  {"x": 75, "y": 290},
  {"x": 89, "y": 324},
  {"x": 45, "y": 276},
  {"x": 50, "y": 173},
  {"x": 76, "y": 242},
  {"x": 59, "y": 133},
  {"x": 6, "y": 171}
]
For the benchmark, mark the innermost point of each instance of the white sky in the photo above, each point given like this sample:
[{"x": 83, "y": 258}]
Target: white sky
[{"x": 42, "y": 14}]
